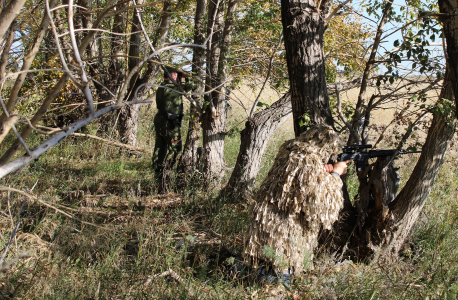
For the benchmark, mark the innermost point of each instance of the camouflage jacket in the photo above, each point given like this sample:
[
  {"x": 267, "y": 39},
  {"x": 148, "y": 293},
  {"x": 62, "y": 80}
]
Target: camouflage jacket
[{"x": 168, "y": 100}]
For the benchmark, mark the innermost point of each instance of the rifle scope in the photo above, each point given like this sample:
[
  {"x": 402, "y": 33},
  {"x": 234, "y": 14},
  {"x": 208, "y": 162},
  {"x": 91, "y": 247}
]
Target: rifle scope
[{"x": 355, "y": 147}]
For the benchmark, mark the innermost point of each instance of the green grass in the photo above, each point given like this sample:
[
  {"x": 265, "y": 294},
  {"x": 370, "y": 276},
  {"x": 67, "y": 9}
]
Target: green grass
[{"x": 115, "y": 247}]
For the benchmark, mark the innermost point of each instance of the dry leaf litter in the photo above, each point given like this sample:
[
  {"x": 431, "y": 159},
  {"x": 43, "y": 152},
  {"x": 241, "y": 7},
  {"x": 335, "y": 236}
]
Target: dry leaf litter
[{"x": 297, "y": 198}]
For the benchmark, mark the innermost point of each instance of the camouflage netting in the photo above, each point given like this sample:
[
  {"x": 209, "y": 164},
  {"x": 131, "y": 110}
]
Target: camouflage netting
[{"x": 297, "y": 198}]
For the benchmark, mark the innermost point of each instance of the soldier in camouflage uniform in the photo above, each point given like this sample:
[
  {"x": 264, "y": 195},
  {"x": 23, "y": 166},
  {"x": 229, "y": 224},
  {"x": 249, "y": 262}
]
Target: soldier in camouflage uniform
[{"x": 167, "y": 122}]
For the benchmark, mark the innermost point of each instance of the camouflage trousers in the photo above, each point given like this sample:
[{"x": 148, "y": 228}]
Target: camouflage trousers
[{"x": 167, "y": 148}]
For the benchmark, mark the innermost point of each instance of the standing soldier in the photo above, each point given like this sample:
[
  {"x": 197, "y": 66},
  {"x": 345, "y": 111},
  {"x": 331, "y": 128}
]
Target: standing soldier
[{"x": 167, "y": 122}]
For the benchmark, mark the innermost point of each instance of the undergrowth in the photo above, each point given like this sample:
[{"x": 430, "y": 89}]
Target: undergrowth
[{"x": 105, "y": 233}]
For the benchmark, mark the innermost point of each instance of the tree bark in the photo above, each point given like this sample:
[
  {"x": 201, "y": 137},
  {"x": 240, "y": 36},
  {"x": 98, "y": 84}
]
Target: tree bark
[
  {"x": 303, "y": 27},
  {"x": 212, "y": 156},
  {"x": 188, "y": 160},
  {"x": 128, "y": 124},
  {"x": 8, "y": 14},
  {"x": 405, "y": 209},
  {"x": 164, "y": 24},
  {"x": 254, "y": 139},
  {"x": 128, "y": 116},
  {"x": 87, "y": 22},
  {"x": 214, "y": 119},
  {"x": 449, "y": 19},
  {"x": 112, "y": 76}
]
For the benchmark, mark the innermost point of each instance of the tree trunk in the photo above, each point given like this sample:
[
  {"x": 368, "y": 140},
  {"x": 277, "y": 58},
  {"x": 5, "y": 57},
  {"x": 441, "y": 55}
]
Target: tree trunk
[
  {"x": 128, "y": 116},
  {"x": 449, "y": 20},
  {"x": 385, "y": 222},
  {"x": 113, "y": 74},
  {"x": 188, "y": 160},
  {"x": 8, "y": 14},
  {"x": 87, "y": 22},
  {"x": 128, "y": 124},
  {"x": 378, "y": 186},
  {"x": 405, "y": 209},
  {"x": 211, "y": 157},
  {"x": 214, "y": 120},
  {"x": 395, "y": 226},
  {"x": 254, "y": 139},
  {"x": 303, "y": 27}
]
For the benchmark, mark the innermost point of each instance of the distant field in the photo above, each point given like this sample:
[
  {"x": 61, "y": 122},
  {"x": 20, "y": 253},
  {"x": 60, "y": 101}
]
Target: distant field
[
  {"x": 243, "y": 97},
  {"x": 380, "y": 117}
]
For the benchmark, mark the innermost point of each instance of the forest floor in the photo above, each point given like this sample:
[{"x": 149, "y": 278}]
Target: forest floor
[{"x": 94, "y": 227}]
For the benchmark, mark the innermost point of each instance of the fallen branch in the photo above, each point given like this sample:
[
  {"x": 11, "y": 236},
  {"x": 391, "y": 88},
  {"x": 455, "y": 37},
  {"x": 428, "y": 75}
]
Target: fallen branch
[
  {"x": 114, "y": 143},
  {"x": 4, "y": 188},
  {"x": 219, "y": 236},
  {"x": 6, "y": 267},
  {"x": 54, "y": 140},
  {"x": 13, "y": 234},
  {"x": 170, "y": 273}
]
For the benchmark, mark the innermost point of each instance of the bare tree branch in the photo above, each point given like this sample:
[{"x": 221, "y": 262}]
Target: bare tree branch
[
  {"x": 24, "y": 160},
  {"x": 33, "y": 198},
  {"x": 13, "y": 234},
  {"x": 335, "y": 11},
  {"x": 6, "y": 50},
  {"x": 53, "y": 131},
  {"x": 253, "y": 108},
  {"x": 8, "y": 14},
  {"x": 27, "y": 63},
  {"x": 342, "y": 117},
  {"x": 86, "y": 90}
]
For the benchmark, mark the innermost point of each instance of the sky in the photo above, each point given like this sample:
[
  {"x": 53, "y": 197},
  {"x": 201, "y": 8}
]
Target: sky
[{"x": 392, "y": 34}]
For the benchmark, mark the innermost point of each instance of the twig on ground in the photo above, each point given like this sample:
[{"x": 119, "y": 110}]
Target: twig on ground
[
  {"x": 169, "y": 273},
  {"x": 220, "y": 236},
  {"x": 13, "y": 235},
  {"x": 4, "y": 188},
  {"x": 6, "y": 267}
]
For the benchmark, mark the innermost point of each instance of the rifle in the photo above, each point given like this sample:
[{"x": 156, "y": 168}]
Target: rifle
[{"x": 358, "y": 154}]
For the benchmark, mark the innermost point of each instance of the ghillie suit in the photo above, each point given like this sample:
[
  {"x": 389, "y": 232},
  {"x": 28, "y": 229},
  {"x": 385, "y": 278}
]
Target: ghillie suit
[{"x": 295, "y": 201}]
